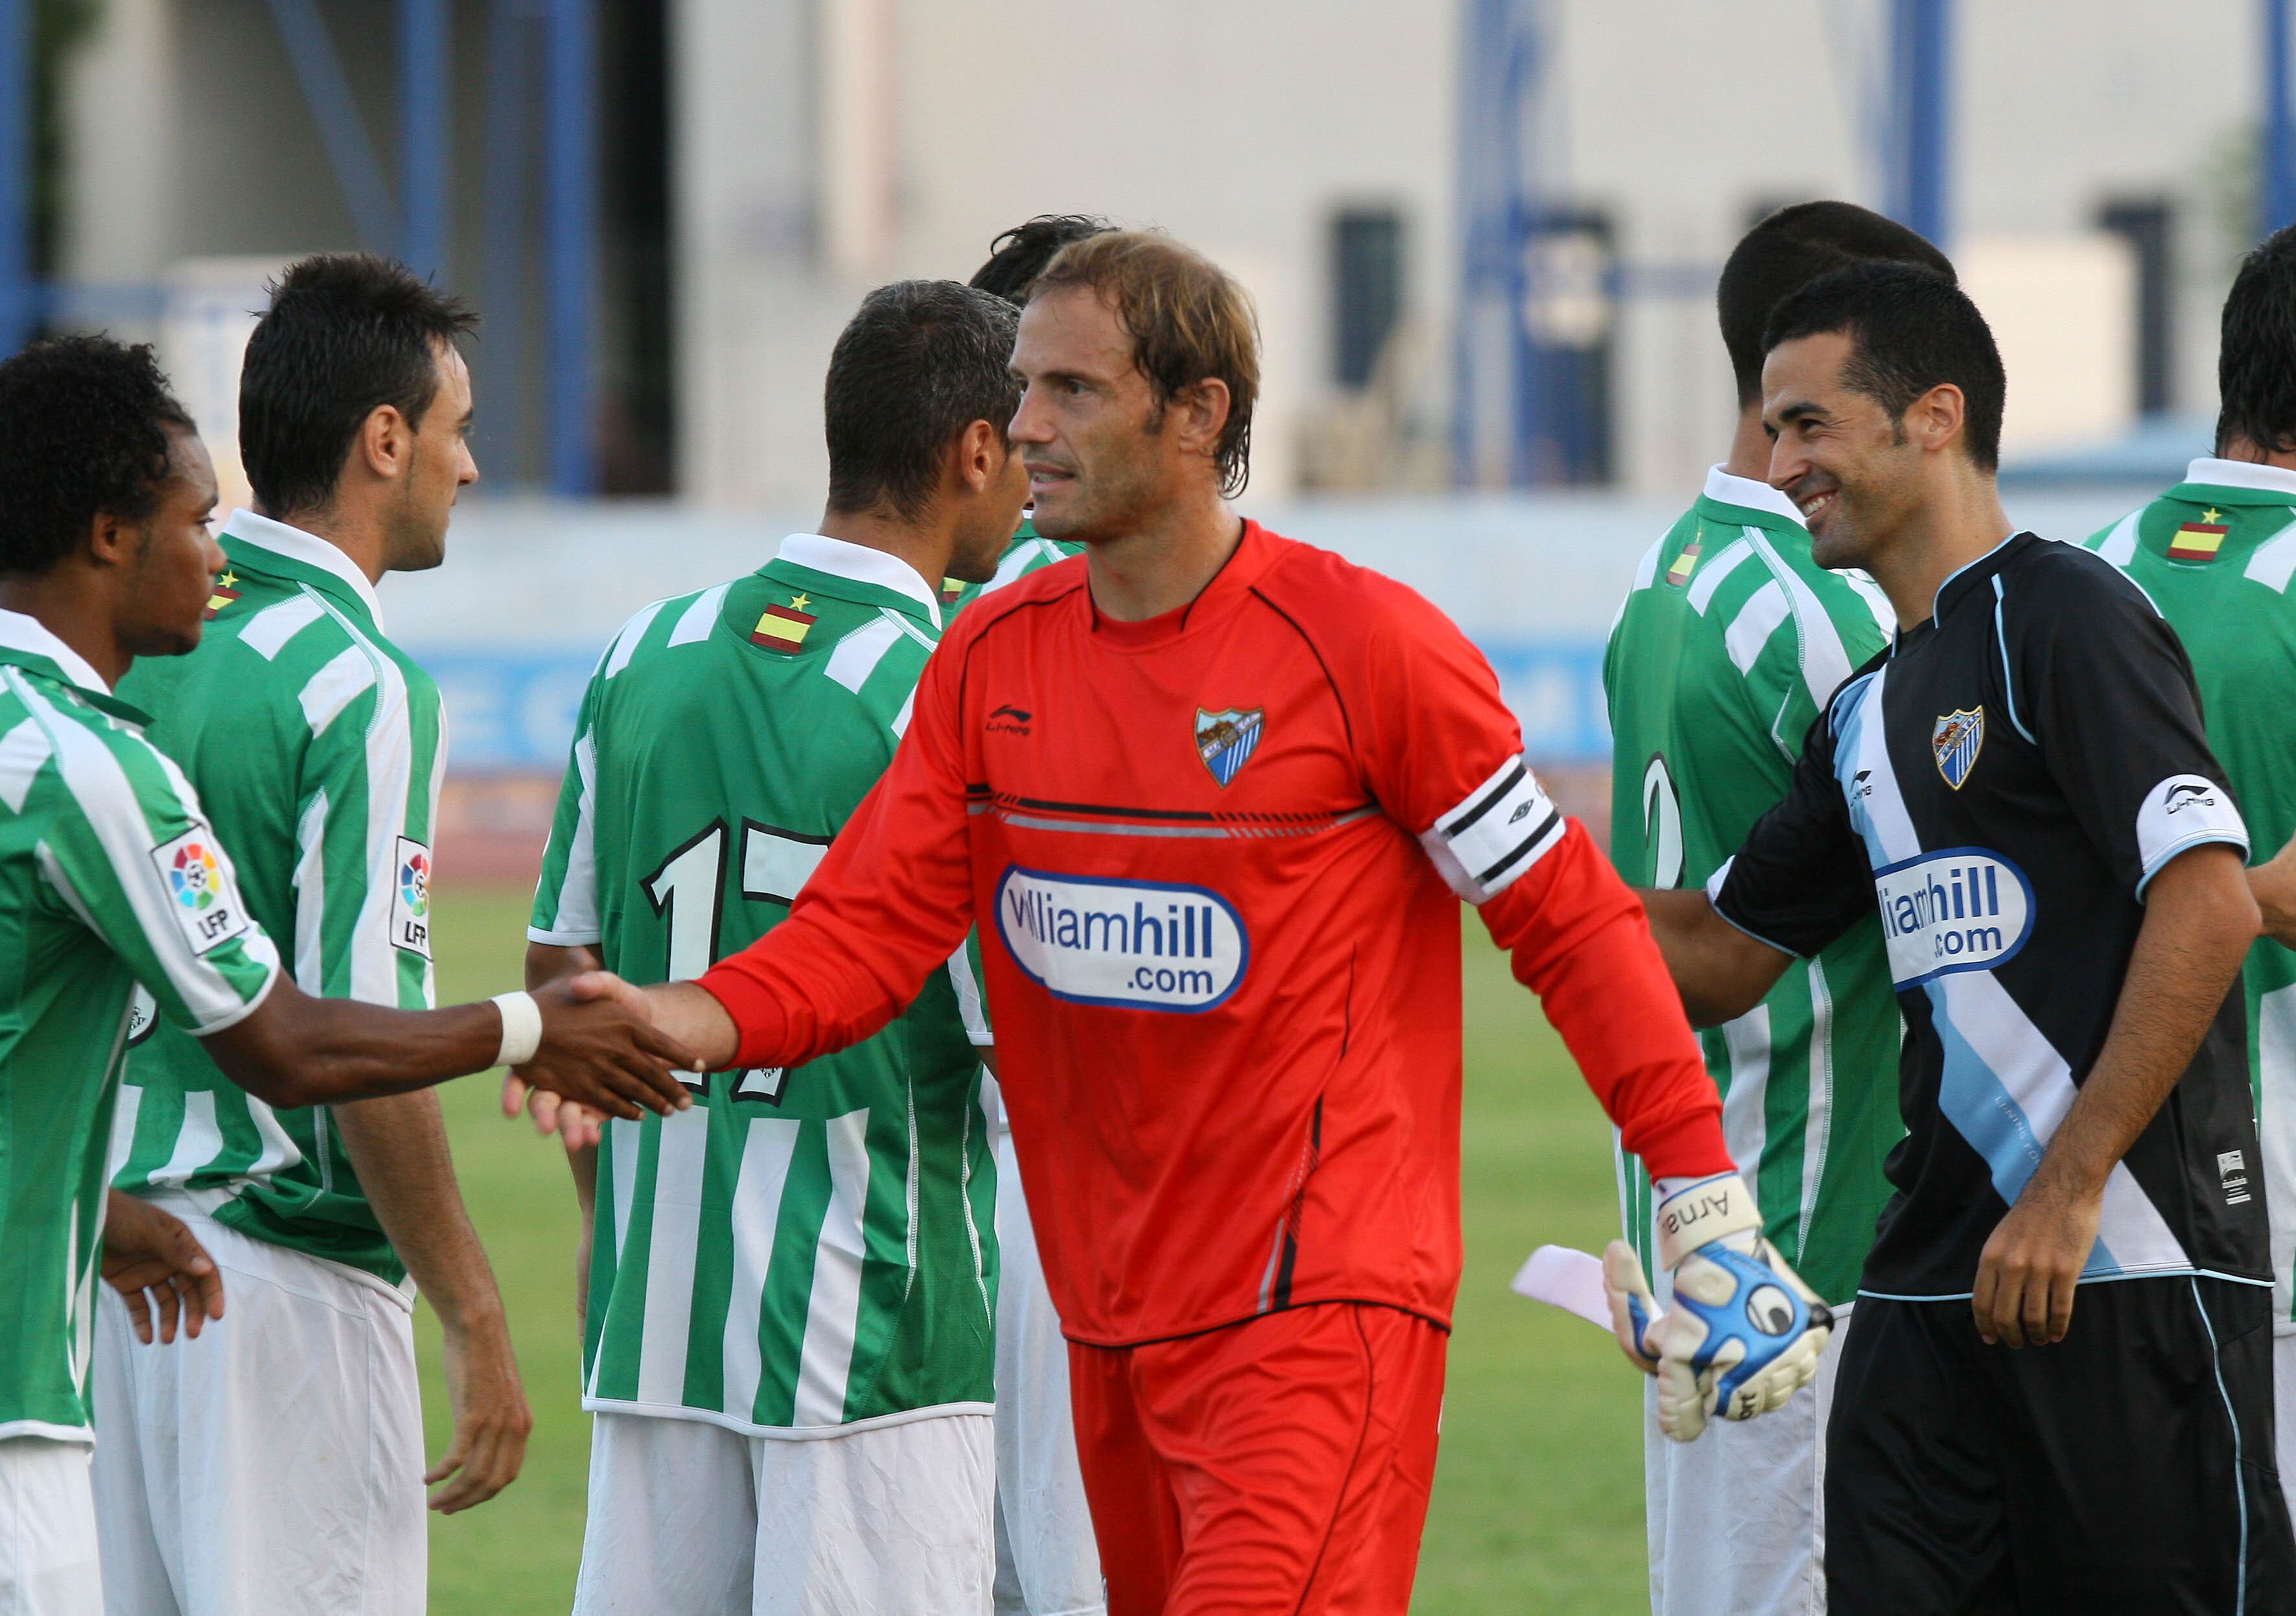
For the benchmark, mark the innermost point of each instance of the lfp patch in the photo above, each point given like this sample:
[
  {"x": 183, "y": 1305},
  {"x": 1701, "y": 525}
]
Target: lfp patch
[
  {"x": 1956, "y": 739},
  {"x": 205, "y": 908},
  {"x": 1225, "y": 740},
  {"x": 410, "y": 901}
]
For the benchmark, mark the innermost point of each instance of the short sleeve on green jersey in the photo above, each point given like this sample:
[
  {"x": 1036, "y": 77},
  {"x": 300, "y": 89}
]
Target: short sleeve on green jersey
[
  {"x": 565, "y": 913},
  {"x": 128, "y": 849}
]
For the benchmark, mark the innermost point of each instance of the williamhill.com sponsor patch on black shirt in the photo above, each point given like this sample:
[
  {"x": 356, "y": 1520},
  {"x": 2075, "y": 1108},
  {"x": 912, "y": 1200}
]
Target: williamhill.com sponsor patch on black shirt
[{"x": 2001, "y": 786}]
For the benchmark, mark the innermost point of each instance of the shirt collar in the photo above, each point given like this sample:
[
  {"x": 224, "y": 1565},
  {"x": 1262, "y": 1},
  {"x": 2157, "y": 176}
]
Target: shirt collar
[
  {"x": 2243, "y": 474},
  {"x": 306, "y": 549},
  {"x": 821, "y": 554},
  {"x": 1728, "y": 489},
  {"x": 1974, "y": 570},
  {"x": 22, "y": 633}
]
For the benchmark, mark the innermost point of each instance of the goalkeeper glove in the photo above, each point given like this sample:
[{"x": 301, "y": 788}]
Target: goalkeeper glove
[{"x": 1744, "y": 1332}]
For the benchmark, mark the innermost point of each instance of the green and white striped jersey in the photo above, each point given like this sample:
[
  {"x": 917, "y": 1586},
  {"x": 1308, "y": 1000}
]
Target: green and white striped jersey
[
  {"x": 806, "y": 1251},
  {"x": 317, "y": 746},
  {"x": 1723, "y": 654},
  {"x": 109, "y": 875},
  {"x": 2217, "y": 554}
]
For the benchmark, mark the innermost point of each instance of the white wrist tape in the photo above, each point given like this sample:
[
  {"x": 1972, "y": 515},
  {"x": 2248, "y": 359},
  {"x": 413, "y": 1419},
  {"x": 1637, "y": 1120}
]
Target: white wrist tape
[
  {"x": 1693, "y": 1212},
  {"x": 522, "y": 1020}
]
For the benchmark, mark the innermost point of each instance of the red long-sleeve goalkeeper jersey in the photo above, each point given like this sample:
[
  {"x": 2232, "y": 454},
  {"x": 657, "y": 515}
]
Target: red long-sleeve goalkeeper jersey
[{"x": 1216, "y": 858}]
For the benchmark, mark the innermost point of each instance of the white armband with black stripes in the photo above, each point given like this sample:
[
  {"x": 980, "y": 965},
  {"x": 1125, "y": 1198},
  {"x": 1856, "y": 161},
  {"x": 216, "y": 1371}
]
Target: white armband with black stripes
[{"x": 1505, "y": 825}]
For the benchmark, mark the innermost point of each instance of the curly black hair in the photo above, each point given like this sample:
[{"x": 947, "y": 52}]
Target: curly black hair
[
  {"x": 1019, "y": 255},
  {"x": 83, "y": 430}
]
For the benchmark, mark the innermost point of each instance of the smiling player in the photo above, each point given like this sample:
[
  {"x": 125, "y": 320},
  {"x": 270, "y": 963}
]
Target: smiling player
[{"x": 2057, "y": 1393}]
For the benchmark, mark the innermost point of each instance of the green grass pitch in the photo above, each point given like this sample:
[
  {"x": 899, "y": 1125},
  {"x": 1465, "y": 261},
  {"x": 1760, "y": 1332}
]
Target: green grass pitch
[{"x": 1538, "y": 1495}]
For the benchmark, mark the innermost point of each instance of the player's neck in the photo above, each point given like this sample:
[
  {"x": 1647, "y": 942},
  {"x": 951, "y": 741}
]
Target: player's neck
[
  {"x": 926, "y": 546},
  {"x": 1946, "y": 533},
  {"x": 2237, "y": 448},
  {"x": 66, "y": 602},
  {"x": 358, "y": 534},
  {"x": 1750, "y": 448},
  {"x": 1162, "y": 564}
]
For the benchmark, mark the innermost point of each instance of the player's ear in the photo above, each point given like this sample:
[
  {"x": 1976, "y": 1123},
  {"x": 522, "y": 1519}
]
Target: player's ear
[
  {"x": 979, "y": 455},
  {"x": 114, "y": 541},
  {"x": 385, "y": 444},
  {"x": 1203, "y": 410},
  {"x": 1936, "y": 418}
]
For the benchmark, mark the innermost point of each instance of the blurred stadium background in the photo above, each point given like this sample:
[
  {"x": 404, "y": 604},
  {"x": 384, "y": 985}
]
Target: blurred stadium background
[{"x": 1482, "y": 235}]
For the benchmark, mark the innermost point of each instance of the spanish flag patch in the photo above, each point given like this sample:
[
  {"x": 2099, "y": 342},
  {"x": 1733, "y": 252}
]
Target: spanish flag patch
[
  {"x": 222, "y": 596},
  {"x": 1684, "y": 565},
  {"x": 2197, "y": 541},
  {"x": 783, "y": 627}
]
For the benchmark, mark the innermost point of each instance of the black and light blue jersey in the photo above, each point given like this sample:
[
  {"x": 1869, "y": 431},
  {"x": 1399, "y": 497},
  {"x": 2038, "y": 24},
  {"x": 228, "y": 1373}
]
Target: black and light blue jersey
[{"x": 2001, "y": 786}]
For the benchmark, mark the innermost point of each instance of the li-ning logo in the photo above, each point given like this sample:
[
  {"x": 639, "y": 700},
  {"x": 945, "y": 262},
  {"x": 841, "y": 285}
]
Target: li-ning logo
[
  {"x": 1009, "y": 720},
  {"x": 1138, "y": 945},
  {"x": 1961, "y": 909},
  {"x": 2232, "y": 1170},
  {"x": 2189, "y": 795}
]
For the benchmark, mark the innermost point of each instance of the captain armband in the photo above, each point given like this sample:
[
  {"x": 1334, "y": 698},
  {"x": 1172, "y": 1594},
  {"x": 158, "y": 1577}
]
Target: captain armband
[{"x": 1505, "y": 825}]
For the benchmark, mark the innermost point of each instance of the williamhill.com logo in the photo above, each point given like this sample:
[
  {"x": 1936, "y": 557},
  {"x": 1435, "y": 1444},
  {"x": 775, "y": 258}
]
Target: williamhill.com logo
[
  {"x": 1138, "y": 945},
  {"x": 1963, "y": 909}
]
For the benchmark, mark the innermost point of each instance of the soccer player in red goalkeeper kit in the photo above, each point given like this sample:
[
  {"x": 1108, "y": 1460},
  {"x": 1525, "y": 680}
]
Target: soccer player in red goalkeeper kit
[{"x": 1214, "y": 797}]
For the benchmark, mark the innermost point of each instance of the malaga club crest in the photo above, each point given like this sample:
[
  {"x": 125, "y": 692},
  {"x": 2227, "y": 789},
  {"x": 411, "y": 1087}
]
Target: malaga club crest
[
  {"x": 1225, "y": 740},
  {"x": 1956, "y": 740}
]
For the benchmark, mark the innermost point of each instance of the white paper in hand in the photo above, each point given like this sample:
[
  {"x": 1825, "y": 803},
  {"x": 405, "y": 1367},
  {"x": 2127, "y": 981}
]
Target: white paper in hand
[{"x": 1568, "y": 1279}]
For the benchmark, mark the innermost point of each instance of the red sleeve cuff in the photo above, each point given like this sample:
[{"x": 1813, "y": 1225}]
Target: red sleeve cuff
[
  {"x": 760, "y": 1022},
  {"x": 1687, "y": 1145}
]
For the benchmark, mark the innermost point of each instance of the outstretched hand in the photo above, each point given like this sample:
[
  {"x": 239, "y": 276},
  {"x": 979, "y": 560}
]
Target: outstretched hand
[
  {"x": 601, "y": 1049},
  {"x": 152, "y": 1259}
]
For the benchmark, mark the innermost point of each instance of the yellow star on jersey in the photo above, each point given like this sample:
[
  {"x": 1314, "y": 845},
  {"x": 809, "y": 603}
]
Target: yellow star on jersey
[
  {"x": 228, "y": 580},
  {"x": 799, "y": 603},
  {"x": 2212, "y": 516}
]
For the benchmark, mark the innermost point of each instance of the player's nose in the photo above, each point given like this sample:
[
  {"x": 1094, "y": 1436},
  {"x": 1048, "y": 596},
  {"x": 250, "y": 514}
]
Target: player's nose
[{"x": 1029, "y": 422}]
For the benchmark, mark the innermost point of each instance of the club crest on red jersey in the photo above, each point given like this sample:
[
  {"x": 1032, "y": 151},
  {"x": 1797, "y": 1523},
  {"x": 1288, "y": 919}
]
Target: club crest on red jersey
[
  {"x": 1225, "y": 740},
  {"x": 1956, "y": 739}
]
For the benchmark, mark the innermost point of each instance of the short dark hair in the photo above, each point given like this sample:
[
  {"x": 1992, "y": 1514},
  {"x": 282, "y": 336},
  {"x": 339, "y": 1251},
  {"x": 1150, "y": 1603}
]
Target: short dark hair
[
  {"x": 84, "y": 424},
  {"x": 918, "y": 363},
  {"x": 1188, "y": 319},
  {"x": 1789, "y": 250},
  {"x": 1910, "y": 330},
  {"x": 346, "y": 333},
  {"x": 1019, "y": 255},
  {"x": 2256, "y": 357}
]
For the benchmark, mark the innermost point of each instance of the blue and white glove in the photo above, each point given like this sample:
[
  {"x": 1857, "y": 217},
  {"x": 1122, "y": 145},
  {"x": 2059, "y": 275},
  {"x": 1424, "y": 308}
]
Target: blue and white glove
[{"x": 1744, "y": 1332}]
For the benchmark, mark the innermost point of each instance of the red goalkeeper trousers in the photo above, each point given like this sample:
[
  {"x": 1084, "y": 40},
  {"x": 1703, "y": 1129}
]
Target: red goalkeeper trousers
[{"x": 1278, "y": 1465}]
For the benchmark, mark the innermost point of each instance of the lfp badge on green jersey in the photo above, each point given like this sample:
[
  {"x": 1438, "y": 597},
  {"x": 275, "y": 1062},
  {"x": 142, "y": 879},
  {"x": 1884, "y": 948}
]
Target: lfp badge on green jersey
[
  {"x": 110, "y": 875},
  {"x": 2216, "y": 553},
  {"x": 805, "y": 1249},
  {"x": 1726, "y": 649}
]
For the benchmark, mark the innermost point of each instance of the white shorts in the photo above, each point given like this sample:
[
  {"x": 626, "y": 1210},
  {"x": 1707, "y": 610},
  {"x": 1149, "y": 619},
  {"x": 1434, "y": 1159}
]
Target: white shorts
[
  {"x": 47, "y": 1531},
  {"x": 1048, "y": 1564},
  {"x": 2283, "y": 1395},
  {"x": 1737, "y": 1518},
  {"x": 693, "y": 1518},
  {"x": 274, "y": 1464}
]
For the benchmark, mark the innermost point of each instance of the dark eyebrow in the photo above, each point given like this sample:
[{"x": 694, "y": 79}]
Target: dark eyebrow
[{"x": 1801, "y": 410}]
